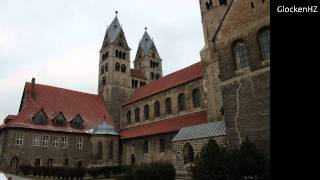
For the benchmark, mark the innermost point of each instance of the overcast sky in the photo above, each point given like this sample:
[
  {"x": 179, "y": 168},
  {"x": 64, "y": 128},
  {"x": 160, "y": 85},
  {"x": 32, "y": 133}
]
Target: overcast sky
[{"x": 58, "y": 41}]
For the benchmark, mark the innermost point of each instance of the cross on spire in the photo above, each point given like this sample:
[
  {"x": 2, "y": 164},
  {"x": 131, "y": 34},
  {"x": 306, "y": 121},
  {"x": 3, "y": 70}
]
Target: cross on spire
[
  {"x": 145, "y": 28},
  {"x": 116, "y": 13}
]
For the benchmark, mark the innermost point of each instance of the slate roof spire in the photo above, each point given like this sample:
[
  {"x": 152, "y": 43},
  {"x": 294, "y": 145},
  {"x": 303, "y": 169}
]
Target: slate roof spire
[
  {"x": 146, "y": 43},
  {"x": 113, "y": 31}
]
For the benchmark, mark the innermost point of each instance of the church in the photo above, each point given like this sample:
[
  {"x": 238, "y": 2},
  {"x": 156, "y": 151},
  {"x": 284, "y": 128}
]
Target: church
[{"x": 139, "y": 115}]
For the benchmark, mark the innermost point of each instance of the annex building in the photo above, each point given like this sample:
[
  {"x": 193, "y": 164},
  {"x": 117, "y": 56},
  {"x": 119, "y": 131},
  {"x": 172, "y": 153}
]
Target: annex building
[{"x": 139, "y": 115}]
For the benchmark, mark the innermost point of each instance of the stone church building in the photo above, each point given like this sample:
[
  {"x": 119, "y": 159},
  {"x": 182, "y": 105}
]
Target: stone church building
[{"x": 139, "y": 115}]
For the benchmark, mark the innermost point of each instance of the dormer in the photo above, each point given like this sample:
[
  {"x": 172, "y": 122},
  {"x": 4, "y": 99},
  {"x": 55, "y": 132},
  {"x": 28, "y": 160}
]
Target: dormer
[
  {"x": 77, "y": 122},
  {"x": 40, "y": 118},
  {"x": 59, "y": 120}
]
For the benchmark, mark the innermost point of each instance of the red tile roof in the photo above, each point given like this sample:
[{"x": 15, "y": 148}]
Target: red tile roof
[
  {"x": 172, "y": 80},
  {"x": 137, "y": 73},
  {"x": 54, "y": 100},
  {"x": 164, "y": 126}
]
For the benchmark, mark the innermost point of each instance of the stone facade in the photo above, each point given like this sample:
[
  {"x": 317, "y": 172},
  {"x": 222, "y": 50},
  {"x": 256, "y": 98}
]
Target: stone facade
[
  {"x": 182, "y": 168},
  {"x": 136, "y": 148},
  {"x": 244, "y": 93}
]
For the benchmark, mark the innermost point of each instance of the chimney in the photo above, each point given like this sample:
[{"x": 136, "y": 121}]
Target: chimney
[{"x": 32, "y": 92}]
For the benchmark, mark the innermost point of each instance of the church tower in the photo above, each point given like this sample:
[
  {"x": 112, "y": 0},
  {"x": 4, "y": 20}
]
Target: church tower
[
  {"x": 148, "y": 59},
  {"x": 212, "y": 13},
  {"x": 114, "y": 70}
]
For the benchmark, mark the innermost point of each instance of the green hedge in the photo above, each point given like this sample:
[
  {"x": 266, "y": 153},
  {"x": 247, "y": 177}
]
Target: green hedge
[
  {"x": 54, "y": 172},
  {"x": 107, "y": 171},
  {"x": 151, "y": 171}
]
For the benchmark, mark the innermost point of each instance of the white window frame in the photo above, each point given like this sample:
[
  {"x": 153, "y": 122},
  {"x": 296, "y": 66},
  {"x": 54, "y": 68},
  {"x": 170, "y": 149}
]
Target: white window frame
[
  {"x": 45, "y": 141},
  {"x": 64, "y": 142},
  {"x": 79, "y": 143},
  {"x": 36, "y": 140},
  {"x": 19, "y": 139},
  {"x": 55, "y": 141}
]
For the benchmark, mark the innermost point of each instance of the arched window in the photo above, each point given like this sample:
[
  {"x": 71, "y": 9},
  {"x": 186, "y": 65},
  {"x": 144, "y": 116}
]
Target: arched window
[
  {"x": 106, "y": 67},
  {"x": 59, "y": 120},
  {"x": 240, "y": 52},
  {"x": 161, "y": 145},
  {"x": 14, "y": 163},
  {"x": 111, "y": 150},
  {"x": 137, "y": 115},
  {"x": 152, "y": 75},
  {"x": 196, "y": 98},
  {"x": 146, "y": 112},
  {"x": 146, "y": 146},
  {"x": 181, "y": 102},
  {"x": 40, "y": 118},
  {"x": 223, "y": 2},
  {"x": 153, "y": 55},
  {"x": 157, "y": 109},
  {"x": 168, "y": 106},
  {"x": 188, "y": 154},
  {"x": 99, "y": 153},
  {"x": 117, "y": 67},
  {"x": 120, "y": 54},
  {"x": 264, "y": 40},
  {"x": 103, "y": 80},
  {"x": 157, "y": 76},
  {"x": 129, "y": 117},
  {"x": 102, "y": 69},
  {"x": 123, "y": 68},
  {"x": 124, "y": 55},
  {"x": 133, "y": 159},
  {"x": 117, "y": 53}
]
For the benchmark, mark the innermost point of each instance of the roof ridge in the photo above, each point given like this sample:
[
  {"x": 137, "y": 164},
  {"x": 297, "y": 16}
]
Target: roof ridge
[{"x": 60, "y": 88}]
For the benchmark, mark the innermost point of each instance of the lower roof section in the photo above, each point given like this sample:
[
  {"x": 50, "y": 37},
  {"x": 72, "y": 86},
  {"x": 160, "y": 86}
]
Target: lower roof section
[{"x": 164, "y": 126}]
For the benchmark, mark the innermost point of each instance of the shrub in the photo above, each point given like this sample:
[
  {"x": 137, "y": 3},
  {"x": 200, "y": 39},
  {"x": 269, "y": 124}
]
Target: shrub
[
  {"x": 218, "y": 163},
  {"x": 59, "y": 172},
  {"x": 151, "y": 171}
]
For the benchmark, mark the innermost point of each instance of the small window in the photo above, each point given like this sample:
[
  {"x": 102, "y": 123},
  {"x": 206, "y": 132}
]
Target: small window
[
  {"x": 146, "y": 146},
  {"x": 55, "y": 142},
  {"x": 168, "y": 106},
  {"x": 19, "y": 139},
  {"x": 49, "y": 163},
  {"x": 146, "y": 112},
  {"x": 153, "y": 55},
  {"x": 102, "y": 69},
  {"x": 181, "y": 102},
  {"x": 111, "y": 150},
  {"x": 117, "y": 53},
  {"x": 137, "y": 115},
  {"x": 36, "y": 140},
  {"x": 188, "y": 154},
  {"x": 196, "y": 98},
  {"x": 241, "y": 54},
  {"x": 40, "y": 118},
  {"x": 264, "y": 40},
  {"x": 123, "y": 68},
  {"x": 124, "y": 55},
  {"x": 77, "y": 122},
  {"x": 152, "y": 75},
  {"x": 161, "y": 145},
  {"x": 120, "y": 54},
  {"x": 37, "y": 163},
  {"x": 59, "y": 120},
  {"x": 45, "y": 141},
  {"x": 79, "y": 143},
  {"x": 223, "y": 2},
  {"x": 64, "y": 142},
  {"x": 106, "y": 67},
  {"x": 103, "y": 81},
  {"x": 100, "y": 153},
  {"x": 157, "y": 109},
  {"x": 157, "y": 76},
  {"x": 129, "y": 117},
  {"x": 117, "y": 67}
]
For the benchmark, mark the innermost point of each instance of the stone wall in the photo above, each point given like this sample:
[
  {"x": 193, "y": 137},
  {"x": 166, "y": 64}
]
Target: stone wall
[
  {"x": 161, "y": 97},
  {"x": 136, "y": 147},
  {"x": 182, "y": 169}
]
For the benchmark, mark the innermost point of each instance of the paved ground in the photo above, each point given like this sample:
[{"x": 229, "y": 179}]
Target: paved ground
[{"x": 14, "y": 177}]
